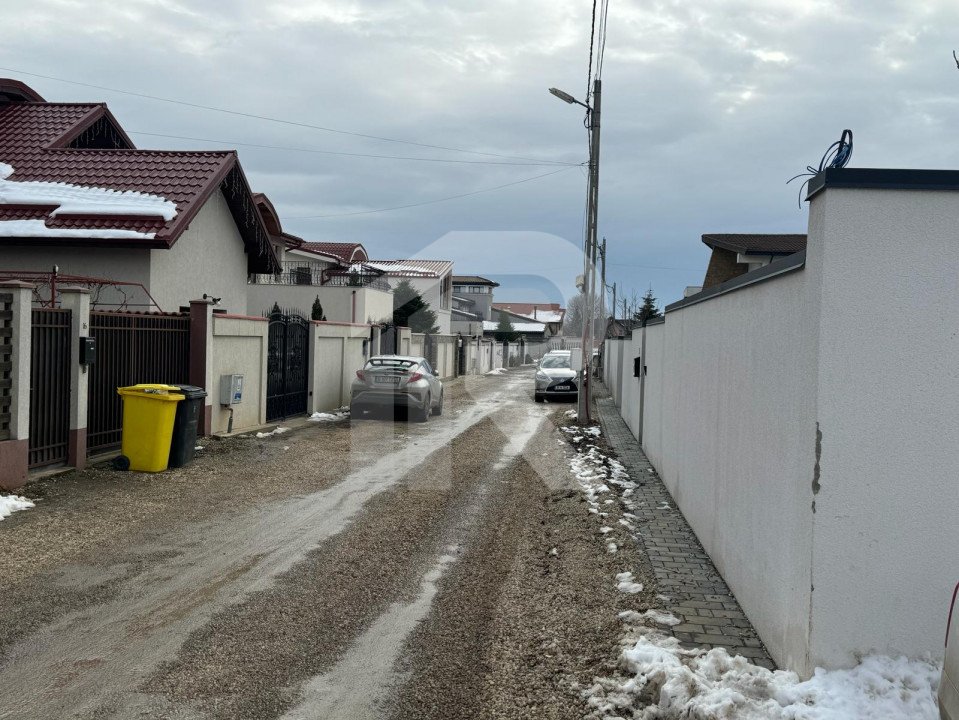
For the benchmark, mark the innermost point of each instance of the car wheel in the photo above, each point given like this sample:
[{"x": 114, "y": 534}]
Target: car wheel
[
  {"x": 438, "y": 410},
  {"x": 539, "y": 398},
  {"x": 423, "y": 413}
]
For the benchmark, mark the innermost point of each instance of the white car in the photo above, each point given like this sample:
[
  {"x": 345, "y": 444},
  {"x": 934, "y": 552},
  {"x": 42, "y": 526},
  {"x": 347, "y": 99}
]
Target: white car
[{"x": 949, "y": 683}]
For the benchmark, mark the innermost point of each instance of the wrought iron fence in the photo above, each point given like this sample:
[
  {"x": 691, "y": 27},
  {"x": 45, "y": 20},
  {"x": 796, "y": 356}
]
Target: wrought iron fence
[
  {"x": 49, "y": 386},
  {"x": 131, "y": 348},
  {"x": 6, "y": 363}
]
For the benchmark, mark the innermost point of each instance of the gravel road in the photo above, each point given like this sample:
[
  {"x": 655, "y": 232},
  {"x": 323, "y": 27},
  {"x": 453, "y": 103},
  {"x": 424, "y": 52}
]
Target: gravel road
[{"x": 359, "y": 570}]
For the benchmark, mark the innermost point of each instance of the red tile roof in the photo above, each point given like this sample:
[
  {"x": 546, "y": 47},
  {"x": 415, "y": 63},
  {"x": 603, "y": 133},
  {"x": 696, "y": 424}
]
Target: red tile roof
[
  {"x": 36, "y": 137},
  {"x": 347, "y": 252},
  {"x": 757, "y": 244}
]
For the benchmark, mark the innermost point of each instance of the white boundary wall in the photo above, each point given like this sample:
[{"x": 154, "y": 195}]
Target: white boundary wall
[{"x": 807, "y": 428}]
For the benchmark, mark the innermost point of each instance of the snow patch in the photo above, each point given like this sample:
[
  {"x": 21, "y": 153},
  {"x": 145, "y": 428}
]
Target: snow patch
[
  {"x": 625, "y": 583},
  {"x": 497, "y": 371},
  {"x": 37, "y": 228},
  {"x": 88, "y": 200},
  {"x": 660, "y": 680},
  {"x": 10, "y": 504},
  {"x": 274, "y": 431},
  {"x": 321, "y": 417}
]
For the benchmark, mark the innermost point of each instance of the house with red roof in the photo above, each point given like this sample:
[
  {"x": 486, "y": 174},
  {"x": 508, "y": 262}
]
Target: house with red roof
[
  {"x": 337, "y": 274},
  {"x": 77, "y": 195},
  {"x": 432, "y": 279}
]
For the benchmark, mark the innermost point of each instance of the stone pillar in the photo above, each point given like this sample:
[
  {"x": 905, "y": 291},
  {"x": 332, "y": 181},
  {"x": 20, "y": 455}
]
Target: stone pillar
[
  {"x": 201, "y": 365},
  {"x": 15, "y": 338},
  {"x": 375, "y": 343},
  {"x": 77, "y": 301}
]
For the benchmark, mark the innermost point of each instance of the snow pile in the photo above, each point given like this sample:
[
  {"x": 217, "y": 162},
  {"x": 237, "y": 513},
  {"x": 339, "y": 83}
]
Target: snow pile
[
  {"x": 660, "y": 680},
  {"x": 497, "y": 371},
  {"x": 626, "y": 584},
  {"x": 571, "y": 414},
  {"x": 274, "y": 431},
  {"x": 77, "y": 200},
  {"x": 10, "y": 504},
  {"x": 321, "y": 417}
]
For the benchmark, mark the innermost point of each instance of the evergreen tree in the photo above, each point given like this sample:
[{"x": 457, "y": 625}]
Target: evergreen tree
[
  {"x": 648, "y": 310},
  {"x": 317, "y": 312},
  {"x": 504, "y": 329},
  {"x": 410, "y": 310}
]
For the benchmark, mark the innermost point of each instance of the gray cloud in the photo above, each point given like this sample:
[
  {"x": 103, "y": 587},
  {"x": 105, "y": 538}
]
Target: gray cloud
[{"x": 708, "y": 107}]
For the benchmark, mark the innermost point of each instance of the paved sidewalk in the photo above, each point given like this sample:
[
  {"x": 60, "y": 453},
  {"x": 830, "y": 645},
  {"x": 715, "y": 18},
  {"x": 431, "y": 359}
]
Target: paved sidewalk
[{"x": 697, "y": 593}]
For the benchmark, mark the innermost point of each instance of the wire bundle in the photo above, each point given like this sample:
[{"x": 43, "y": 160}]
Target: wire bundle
[{"x": 837, "y": 155}]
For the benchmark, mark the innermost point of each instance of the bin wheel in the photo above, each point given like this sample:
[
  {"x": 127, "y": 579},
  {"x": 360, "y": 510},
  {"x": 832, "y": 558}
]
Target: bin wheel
[{"x": 121, "y": 462}]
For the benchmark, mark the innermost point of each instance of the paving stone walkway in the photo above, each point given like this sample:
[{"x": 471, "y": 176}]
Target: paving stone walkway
[{"x": 698, "y": 594}]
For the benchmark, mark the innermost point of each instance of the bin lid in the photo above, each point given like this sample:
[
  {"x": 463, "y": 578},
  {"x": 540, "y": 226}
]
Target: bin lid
[
  {"x": 155, "y": 390},
  {"x": 191, "y": 391}
]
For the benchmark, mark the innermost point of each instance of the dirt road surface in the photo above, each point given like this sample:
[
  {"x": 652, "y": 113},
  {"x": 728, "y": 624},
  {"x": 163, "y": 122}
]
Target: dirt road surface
[{"x": 360, "y": 570}]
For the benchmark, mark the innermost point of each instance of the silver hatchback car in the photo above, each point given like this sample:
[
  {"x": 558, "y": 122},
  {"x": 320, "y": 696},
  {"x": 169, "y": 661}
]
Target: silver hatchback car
[{"x": 391, "y": 381}]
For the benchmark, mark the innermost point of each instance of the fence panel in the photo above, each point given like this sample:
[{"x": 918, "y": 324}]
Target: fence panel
[
  {"x": 49, "y": 387},
  {"x": 131, "y": 349},
  {"x": 6, "y": 363}
]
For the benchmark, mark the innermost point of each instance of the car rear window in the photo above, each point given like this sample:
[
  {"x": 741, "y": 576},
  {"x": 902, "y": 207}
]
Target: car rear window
[{"x": 390, "y": 363}]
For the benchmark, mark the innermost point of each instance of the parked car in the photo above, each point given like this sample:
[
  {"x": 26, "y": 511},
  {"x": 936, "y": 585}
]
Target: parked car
[
  {"x": 949, "y": 683},
  {"x": 392, "y": 381},
  {"x": 555, "y": 377}
]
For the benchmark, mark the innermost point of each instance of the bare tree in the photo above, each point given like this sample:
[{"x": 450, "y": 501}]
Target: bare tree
[{"x": 573, "y": 322}]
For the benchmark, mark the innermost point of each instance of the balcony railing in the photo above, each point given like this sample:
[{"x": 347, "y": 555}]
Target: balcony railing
[{"x": 298, "y": 273}]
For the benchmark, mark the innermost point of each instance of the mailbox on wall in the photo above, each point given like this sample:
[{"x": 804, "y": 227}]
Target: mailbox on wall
[
  {"x": 231, "y": 389},
  {"x": 88, "y": 350}
]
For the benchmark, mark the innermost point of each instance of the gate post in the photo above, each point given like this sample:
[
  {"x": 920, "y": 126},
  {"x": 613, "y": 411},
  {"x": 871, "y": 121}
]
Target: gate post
[
  {"x": 77, "y": 301},
  {"x": 16, "y": 299},
  {"x": 201, "y": 365}
]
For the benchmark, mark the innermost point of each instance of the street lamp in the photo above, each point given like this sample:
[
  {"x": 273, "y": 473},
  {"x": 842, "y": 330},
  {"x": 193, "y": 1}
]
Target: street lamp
[{"x": 592, "y": 200}]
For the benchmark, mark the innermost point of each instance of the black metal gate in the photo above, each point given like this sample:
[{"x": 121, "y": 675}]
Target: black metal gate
[
  {"x": 287, "y": 365},
  {"x": 460, "y": 355},
  {"x": 131, "y": 348},
  {"x": 429, "y": 349},
  {"x": 49, "y": 387},
  {"x": 388, "y": 341},
  {"x": 6, "y": 362}
]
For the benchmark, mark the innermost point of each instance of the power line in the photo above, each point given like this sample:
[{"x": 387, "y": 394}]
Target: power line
[
  {"x": 281, "y": 121},
  {"x": 429, "y": 202},
  {"x": 348, "y": 154}
]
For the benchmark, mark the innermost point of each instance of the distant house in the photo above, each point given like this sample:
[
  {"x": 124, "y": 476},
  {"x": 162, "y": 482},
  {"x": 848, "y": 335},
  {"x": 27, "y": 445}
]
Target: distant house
[
  {"x": 620, "y": 327},
  {"x": 162, "y": 227},
  {"x": 478, "y": 291},
  {"x": 550, "y": 314},
  {"x": 531, "y": 330},
  {"x": 736, "y": 254},
  {"x": 432, "y": 279},
  {"x": 349, "y": 289}
]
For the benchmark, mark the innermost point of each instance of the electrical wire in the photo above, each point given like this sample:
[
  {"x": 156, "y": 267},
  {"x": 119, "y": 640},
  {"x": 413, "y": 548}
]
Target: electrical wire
[
  {"x": 602, "y": 45},
  {"x": 268, "y": 118},
  {"x": 837, "y": 155},
  {"x": 349, "y": 154},
  {"x": 589, "y": 71},
  {"x": 427, "y": 202}
]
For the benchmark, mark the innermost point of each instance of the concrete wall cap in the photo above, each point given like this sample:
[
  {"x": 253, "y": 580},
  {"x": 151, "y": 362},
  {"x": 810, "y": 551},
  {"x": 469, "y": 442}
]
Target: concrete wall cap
[{"x": 17, "y": 284}]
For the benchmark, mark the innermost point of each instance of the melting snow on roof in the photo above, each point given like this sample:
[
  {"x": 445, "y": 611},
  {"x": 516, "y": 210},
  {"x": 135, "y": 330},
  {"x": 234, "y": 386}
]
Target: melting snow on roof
[{"x": 82, "y": 200}]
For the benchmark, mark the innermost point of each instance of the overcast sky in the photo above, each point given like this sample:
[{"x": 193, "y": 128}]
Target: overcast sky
[{"x": 708, "y": 107}]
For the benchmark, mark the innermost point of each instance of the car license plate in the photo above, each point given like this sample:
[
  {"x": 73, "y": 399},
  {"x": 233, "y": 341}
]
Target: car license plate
[
  {"x": 563, "y": 387},
  {"x": 387, "y": 380}
]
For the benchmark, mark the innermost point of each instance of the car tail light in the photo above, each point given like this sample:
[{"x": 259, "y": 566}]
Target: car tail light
[
  {"x": 360, "y": 375},
  {"x": 415, "y": 376},
  {"x": 951, "y": 608}
]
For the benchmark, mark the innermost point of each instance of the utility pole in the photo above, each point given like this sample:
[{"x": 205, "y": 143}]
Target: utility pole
[
  {"x": 584, "y": 394},
  {"x": 614, "y": 301},
  {"x": 602, "y": 283}
]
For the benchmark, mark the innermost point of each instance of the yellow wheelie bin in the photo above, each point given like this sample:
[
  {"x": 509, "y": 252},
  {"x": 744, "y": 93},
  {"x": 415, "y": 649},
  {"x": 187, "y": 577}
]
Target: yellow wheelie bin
[{"x": 148, "y": 414}]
